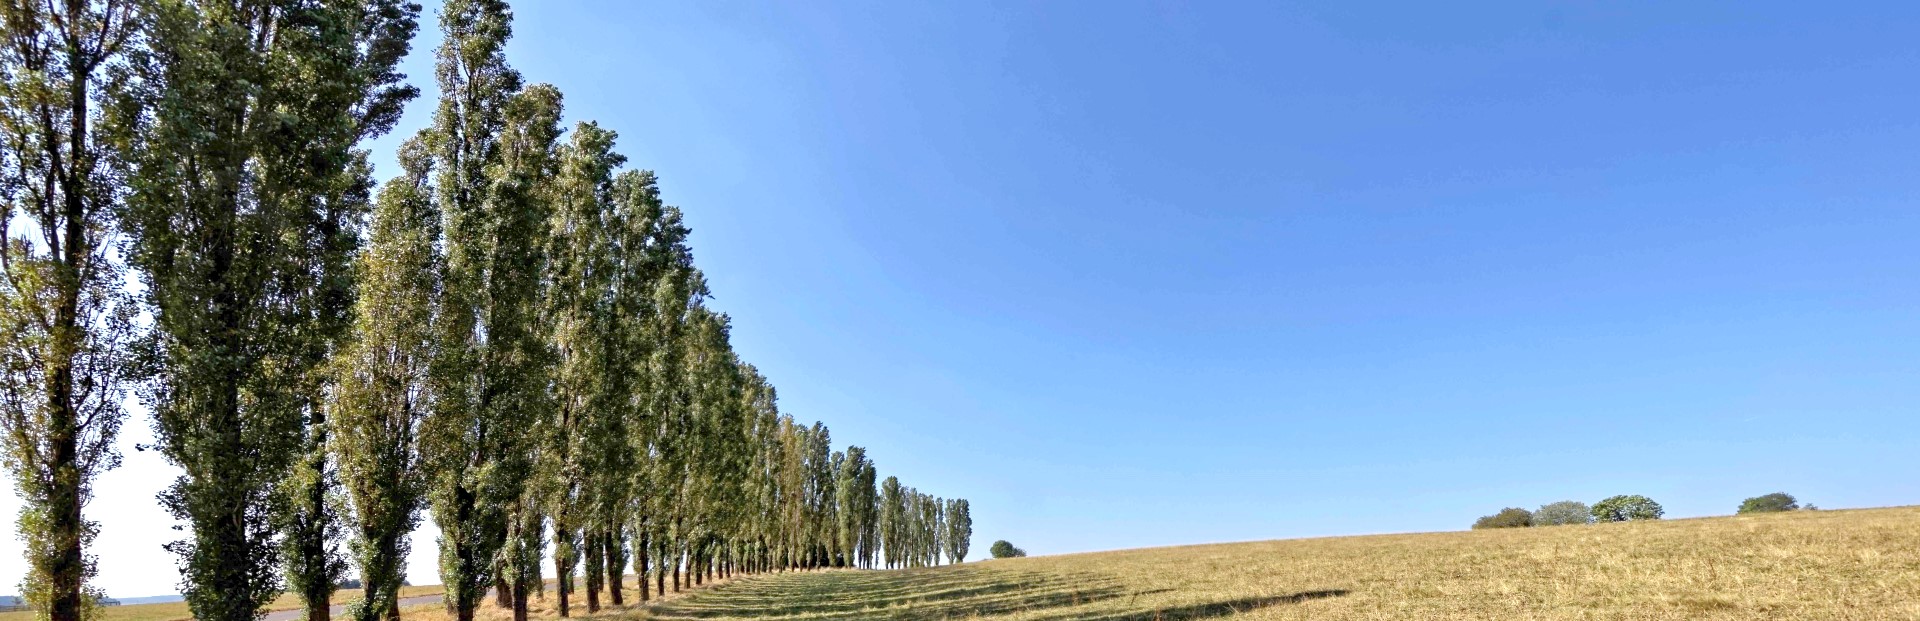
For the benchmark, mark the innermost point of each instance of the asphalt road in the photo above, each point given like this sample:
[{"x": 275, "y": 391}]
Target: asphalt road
[{"x": 295, "y": 615}]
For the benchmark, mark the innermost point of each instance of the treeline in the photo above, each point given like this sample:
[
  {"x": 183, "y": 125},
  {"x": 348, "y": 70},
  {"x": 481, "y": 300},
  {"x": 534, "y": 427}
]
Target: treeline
[
  {"x": 1623, "y": 508},
  {"x": 510, "y": 333}
]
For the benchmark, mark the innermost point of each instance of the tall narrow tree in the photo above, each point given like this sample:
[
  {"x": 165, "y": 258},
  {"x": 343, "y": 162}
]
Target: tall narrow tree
[
  {"x": 867, "y": 507},
  {"x": 382, "y": 391},
  {"x": 590, "y": 405},
  {"x": 245, "y": 190},
  {"x": 64, "y": 319},
  {"x": 492, "y": 146},
  {"x": 892, "y": 521},
  {"x": 647, "y": 250},
  {"x": 376, "y": 36},
  {"x": 959, "y": 533},
  {"x": 846, "y": 475}
]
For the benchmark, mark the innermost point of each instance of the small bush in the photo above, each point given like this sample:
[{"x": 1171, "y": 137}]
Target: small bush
[
  {"x": 1003, "y": 549},
  {"x": 1510, "y": 517},
  {"x": 1563, "y": 512},
  {"x": 1770, "y": 503},
  {"x": 1627, "y": 508}
]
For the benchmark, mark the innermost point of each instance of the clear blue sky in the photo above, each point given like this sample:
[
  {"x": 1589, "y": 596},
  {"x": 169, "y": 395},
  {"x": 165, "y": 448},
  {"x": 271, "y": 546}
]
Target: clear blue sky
[{"x": 1129, "y": 274}]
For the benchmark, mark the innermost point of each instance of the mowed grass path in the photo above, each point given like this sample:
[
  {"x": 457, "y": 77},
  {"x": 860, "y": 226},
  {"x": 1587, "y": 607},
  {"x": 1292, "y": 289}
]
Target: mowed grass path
[
  {"x": 177, "y": 611},
  {"x": 1857, "y": 564}
]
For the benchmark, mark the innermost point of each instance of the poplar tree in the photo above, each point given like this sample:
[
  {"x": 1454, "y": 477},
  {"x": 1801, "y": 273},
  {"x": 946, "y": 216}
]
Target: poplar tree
[
  {"x": 716, "y": 441},
  {"x": 959, "y": 530},
  {"x": 64, "y": 319},
  {"x": 663, "y": 434},
  {"x": 246, "y": 189},
  {"x": 846, "y": 475},
  {"x": 492, "y": 146},
  {"x": 892, "y": 521},
  {"x": 867, "y": 507},
  {"x": 763, "y": 408},
  {"x": 820, "y": 495},
  {"x": 504, "y": 266},
  {"x": 368, "y": 40},
  {"x": 579, "y": 309},
  {"x": 590, "y": 247},
  {"x": 642, "y": 246},
  {"x": 382, "y": 381},
  {"x": 835, "y": 522}
]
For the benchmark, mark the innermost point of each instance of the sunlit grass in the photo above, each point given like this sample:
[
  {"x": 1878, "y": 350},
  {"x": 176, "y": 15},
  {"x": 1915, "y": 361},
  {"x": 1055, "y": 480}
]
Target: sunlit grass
[
  {"x": 177, "y": 611},
  {"x": 1858, "y": 564},
  {"x": 1861, "y": 564}
]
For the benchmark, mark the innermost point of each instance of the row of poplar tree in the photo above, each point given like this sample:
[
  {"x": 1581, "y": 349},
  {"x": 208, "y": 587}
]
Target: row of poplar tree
[{"x": 510, "y": 332}]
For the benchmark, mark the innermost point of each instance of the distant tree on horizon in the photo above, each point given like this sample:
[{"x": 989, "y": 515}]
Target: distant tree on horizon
[
  {"x": 1563, "y": 512},
  {"x": 1004, "y": 549},
  {"x": 1510, "y": 517},
  {"x": 1770, "y": 503},
  {"x": 1626, "y": 508}
]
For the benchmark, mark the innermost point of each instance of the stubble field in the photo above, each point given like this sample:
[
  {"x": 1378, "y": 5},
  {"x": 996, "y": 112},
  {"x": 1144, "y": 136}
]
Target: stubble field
[{"x": 1857, "y": 564}]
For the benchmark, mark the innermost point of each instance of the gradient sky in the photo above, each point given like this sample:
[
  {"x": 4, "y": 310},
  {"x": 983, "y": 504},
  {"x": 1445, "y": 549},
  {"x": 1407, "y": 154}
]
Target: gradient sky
[{"x": 1131, "y": 274}]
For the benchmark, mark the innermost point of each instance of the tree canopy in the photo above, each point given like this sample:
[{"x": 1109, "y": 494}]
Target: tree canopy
[
  {"x": 511, "y": 333},
  {"x": 1627, "y": 508},
  {"x": 1769, "y": 503}
]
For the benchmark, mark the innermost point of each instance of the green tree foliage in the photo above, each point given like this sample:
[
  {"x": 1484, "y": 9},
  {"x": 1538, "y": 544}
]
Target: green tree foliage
[
  {"x": 1626, "y": 508},
  {"x": 867, "y": 506},
  {"x": 381, "y": 381},
  {"x": 246, "y": 190},
  {"x": 64, "y": 319},
  {"x": 959, "y": 529},
  {"x": 1770, "y": 503},
  {"x": 892, "y": 524},
  {"x": 1563, "y": 512},
  {"x": 364, "y": 44},
  {"x": 588, "y": 430},
  {"x": 1004, "y": 549},
  {"x": 1510, "y": 517},
  {"x": 492, "y": 147},
  {"x": 523, "y": 343},
  {"x": 820, "y": 521},
  {"x": 854, "y": 505},
  {"x": 932, "y": 529}
]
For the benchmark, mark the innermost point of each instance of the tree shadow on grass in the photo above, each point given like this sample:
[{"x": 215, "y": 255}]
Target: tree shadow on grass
[
  {"x": 1203, "y": 611},
  {"x": 898, "y": 596},
  {"x": 946, "y": 593}
]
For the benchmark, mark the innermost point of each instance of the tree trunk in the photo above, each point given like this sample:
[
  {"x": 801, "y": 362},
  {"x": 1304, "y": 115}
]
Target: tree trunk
[
  {"x": 67, "y": 571},
  {"x": 560, "y": 581},
  {"x": 519, "y": 600},
  {"x": 502, "y": 592},
  {"x": 594, "y": 554},
  {"x": 640, "y": 564},
  {"x": 614, "y": 570}
]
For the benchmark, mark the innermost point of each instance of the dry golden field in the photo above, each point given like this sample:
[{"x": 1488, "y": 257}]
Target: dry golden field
[
  {"x": 1854, "y": 564},
  {"x": 177, "y": 611},
  {"x": 1858, "y": 564}
]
